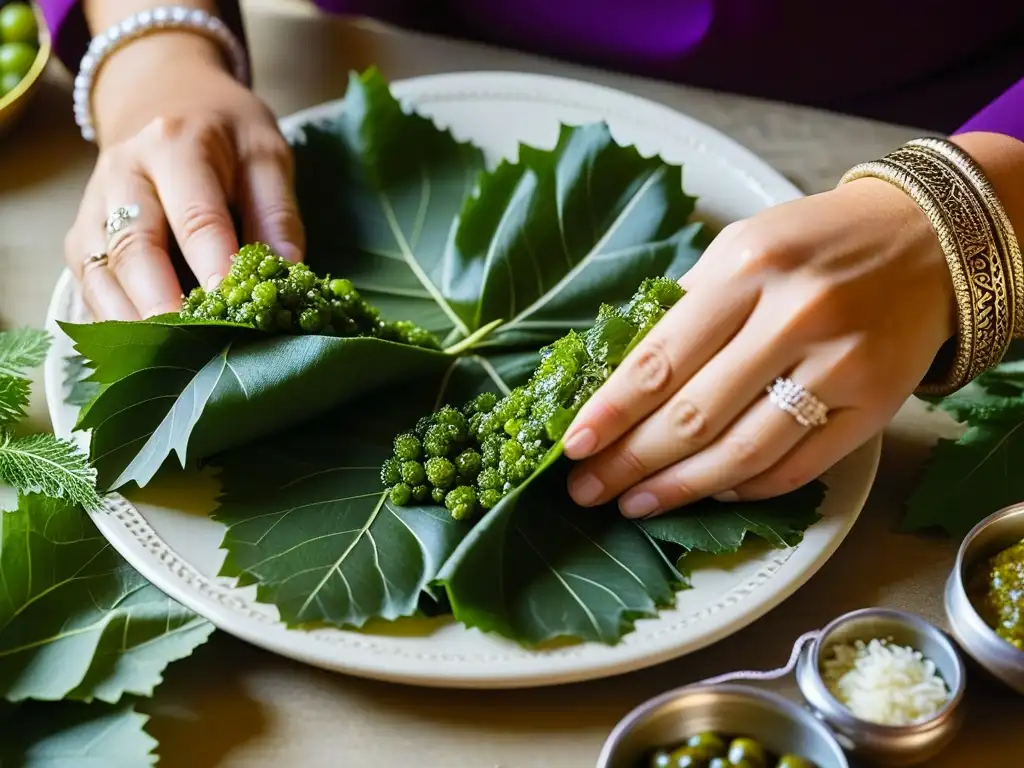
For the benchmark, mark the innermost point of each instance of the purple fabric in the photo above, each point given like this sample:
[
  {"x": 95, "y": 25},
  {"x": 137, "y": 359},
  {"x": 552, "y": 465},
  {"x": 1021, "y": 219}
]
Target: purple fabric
[{"x": 927, "y": 63}]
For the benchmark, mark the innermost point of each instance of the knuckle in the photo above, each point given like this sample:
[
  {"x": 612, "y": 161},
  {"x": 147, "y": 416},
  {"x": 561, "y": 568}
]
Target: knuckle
[
  {"x": 200, "y": 219},
  {"x": 688, "y": 421},
  {"x": 131, "y": 244},
  {"x": 279, "y": 217},
  {"x": 270, "y": 146},
  {"x": 789, "y": 480},
  {"x": 740, "y": 449},
  {"x": 164, "y": 128},
  {"x": 682, "y": 489},
  {"x": 631, "y": 462},
  {"x": 651, "y": 369}
]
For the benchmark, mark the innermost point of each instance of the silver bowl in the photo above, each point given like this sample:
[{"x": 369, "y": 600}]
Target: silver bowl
[
  {"x": 977, "y": 638},
  {"x": 897, "y": 745},
  {"x": 779, "y": 724}
]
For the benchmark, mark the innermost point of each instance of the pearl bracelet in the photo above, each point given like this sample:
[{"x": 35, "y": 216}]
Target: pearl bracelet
[{"x": 138, "y": 25}]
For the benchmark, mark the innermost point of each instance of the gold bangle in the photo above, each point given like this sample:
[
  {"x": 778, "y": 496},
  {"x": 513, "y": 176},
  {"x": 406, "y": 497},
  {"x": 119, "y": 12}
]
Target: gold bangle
[
  {"x": 980, "y": 282},
  {"x": 1007, "y": 241}
]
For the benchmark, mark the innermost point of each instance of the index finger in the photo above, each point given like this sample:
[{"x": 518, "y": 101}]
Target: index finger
[
  {"x": 674, "y": 350},
  {"x": 197, "y": 211}
]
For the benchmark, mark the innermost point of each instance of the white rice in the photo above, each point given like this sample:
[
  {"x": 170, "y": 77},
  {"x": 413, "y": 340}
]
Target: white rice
[{"x": 884, "y": 683}]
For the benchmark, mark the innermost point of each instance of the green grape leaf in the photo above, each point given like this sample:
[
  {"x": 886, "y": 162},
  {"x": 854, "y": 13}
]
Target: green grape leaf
[
  {"x": 379, "y": 189},
  {"x": 968, "y": 479},
  {"x": 49, "y": 465},
  {"x": 22, "y": 349},
  {"x": 721, "y": 528},
  {"x": 76, "y": 621},
  {"x": 78, "y": 389},
  {"x": 543, "y": 245},
  {"x": 536, "y": 568},
  {"x": 307, "y": 519},
  {"x": 14, "y": 396},
  {"x": 75, "y": 735},
  {"x": 195, "y": 389},
  {"x": 408, "y": 214}
]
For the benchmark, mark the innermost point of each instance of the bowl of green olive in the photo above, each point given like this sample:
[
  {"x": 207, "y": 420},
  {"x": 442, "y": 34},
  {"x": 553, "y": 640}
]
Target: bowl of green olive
[
  {"x": 24, "y": 53},
  {"x": 721, "y": 726}
]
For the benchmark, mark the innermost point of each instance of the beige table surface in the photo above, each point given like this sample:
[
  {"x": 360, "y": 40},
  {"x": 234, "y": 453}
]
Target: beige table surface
[{"x": 234, "y": 705}]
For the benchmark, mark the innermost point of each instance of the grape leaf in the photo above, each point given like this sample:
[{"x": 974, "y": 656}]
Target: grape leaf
[
  {"x": 22, "y": 349},
  {"x": 537, "y": 568},
  {"x": 536, "y": 244},
  {"x": 718, "y": 528},
  {"x": 78, "y": 389},
  {"x": 542, "y": 246},
  {"x": 379, "y": 189},
  {"x": 968, "y": 479},
  {"x": 76, "y": 621},
  {"x": 196, "y": 389},
  {"x": 46, "y": 464},
  {"x": 75, "y": 735},
  {"x": 14, "y": 397}
]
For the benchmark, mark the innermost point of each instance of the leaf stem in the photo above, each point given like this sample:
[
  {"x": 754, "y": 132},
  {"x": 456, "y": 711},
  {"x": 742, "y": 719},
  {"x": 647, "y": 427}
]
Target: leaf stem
[{"x": 473, "y": 338}]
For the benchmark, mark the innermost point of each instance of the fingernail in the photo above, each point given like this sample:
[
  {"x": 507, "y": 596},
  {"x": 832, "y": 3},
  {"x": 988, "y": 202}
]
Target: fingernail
[
  {"x": 586, "y": 489},
  {"x": 639, "y": 504},
  {"x": 214, "y": 281},
  {"x": 581, "y": 443},
  {"x": 726, "y": 496}
]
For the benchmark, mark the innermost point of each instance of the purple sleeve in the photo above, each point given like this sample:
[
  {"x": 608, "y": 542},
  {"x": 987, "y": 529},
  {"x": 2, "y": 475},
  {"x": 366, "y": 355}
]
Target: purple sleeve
[
  {"x": 67, "y": 26},
  {"x": 1005, "y": 115}
]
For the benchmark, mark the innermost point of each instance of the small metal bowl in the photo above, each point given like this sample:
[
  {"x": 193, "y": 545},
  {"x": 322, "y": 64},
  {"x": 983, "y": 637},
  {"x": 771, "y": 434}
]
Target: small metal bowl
[
  {"x": 977, "y": 638},
  {"x": 779, "y": 724},
  {"x": 897, "y": 745},
  {"x": 13, "y": 104}
]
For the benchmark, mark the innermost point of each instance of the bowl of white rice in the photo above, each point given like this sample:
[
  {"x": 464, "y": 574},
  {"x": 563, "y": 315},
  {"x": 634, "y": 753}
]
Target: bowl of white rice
[{"x": 887, "y": 683}]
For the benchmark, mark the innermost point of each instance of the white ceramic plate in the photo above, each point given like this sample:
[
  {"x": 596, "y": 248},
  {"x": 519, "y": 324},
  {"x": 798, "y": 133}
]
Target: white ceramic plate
[{"x": 165, "y": 533}]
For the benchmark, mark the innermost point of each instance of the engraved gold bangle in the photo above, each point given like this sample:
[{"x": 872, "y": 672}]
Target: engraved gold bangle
[
  {"x": 1008, "y": 243},
  {"x": 980, "y": 277}
]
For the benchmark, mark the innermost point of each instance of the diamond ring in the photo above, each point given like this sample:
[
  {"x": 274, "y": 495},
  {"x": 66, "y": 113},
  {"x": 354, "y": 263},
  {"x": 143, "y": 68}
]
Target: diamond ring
[
  {"x": 119, "y": 219},
  {"x": 792, "y": 398}
]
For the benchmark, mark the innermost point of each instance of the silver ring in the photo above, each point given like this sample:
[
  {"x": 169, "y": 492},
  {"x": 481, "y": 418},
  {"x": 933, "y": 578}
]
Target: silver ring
[
  {"x": 96, "y": 259},
  {"x": 120, "y": 217},
  {"x": 792, "y": 398}
]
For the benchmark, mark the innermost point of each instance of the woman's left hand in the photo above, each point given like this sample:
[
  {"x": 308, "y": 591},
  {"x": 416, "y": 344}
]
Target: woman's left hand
[{"x": 846, "y": 292}]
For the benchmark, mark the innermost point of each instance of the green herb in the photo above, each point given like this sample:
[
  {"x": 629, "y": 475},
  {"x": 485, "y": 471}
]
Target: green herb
[
  {"x": 499, "y": 444},
  {"x": 36, "y": 463},
  {"x": 967, "y": 479},
  {"x": 81, "y": 632}
]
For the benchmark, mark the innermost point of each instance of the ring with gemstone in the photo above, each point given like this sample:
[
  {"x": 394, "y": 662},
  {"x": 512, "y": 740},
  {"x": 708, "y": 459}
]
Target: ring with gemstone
[
  {"x": 803, "y": 406},
  {"x": 120, "y": 217}
]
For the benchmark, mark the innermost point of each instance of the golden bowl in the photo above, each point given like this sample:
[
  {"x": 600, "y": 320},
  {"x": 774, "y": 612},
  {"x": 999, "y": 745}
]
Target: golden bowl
[{"x": 13, "y": 105}]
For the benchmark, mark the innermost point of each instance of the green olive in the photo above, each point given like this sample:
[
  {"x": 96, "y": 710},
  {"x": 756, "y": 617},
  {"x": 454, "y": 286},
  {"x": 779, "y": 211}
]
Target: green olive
[
  {"x": 18, "y": 24},
  {"x": 749, "y": 750},
  {"x": 794, "y": 761},
  {"x": 660, "y": 759},
  {"x": 689, "y": 757},
  {"x": 16, "y": 59},
  {"x": 719, "y": 762},
  {"x": 8, "y": 83},
  {"x": 710, "y": 742},
  {"x": 742, "y": 764}
]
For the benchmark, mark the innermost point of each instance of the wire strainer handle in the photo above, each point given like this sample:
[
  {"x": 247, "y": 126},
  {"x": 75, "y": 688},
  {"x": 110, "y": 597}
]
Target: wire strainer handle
[{"x": 773, "y": 674}]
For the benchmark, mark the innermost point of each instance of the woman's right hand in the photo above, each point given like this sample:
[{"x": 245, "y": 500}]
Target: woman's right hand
[{"x": 186, "y": 143}]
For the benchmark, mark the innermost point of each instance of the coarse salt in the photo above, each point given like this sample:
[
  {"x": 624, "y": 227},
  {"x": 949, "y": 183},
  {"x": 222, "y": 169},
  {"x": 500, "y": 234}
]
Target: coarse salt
[{"x": 884, "y": 683}]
